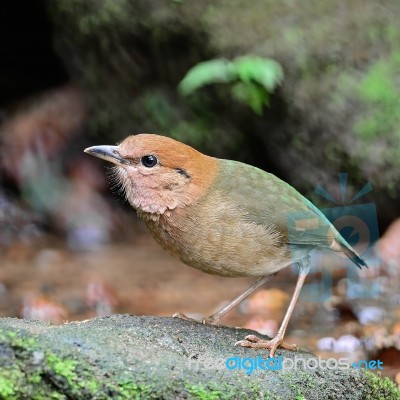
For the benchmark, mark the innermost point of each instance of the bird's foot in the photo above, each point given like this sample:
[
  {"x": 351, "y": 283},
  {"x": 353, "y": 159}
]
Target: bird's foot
[
  {"x": 211, "y": 321},
  {"x": 206, "y": 321},
  {"x": 184, "y": 317},
  {"x": 257, "y": 343}
]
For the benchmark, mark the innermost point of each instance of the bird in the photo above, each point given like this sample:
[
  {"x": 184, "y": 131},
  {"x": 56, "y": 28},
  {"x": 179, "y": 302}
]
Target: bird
[{"x": 222, "y": 217}]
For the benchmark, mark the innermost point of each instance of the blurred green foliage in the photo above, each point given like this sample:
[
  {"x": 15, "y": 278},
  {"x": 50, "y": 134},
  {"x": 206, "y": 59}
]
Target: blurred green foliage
[
  {"x": 336, "y": 107},
  {"x": 379, "y": 123},
  {"x": 199, "y": 127},
  {"x": 379, "y": 92},
  {"x": 253, "y": 78}
]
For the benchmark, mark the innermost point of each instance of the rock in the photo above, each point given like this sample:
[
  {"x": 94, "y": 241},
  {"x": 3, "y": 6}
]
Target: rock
[{"x": 127, "y": 357}]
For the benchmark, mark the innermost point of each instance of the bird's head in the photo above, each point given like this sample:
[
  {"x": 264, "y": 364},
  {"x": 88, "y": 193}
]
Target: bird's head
[{"x": 159, "y": 173}]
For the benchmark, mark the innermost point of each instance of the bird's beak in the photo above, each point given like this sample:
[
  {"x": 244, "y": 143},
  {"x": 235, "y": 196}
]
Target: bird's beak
[{"x": 108, "y": 153}]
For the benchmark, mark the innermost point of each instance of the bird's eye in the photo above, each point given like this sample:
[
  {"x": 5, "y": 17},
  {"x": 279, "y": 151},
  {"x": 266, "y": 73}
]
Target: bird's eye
[{"x": 149, "y": 161}]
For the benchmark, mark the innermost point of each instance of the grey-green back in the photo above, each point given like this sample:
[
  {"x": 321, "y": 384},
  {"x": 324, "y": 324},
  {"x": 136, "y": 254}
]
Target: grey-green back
[{"x": 267, "y": 200}]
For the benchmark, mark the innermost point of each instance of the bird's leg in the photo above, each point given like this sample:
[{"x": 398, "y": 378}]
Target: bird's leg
[
  {"x": 215, "y": 318},
  {"x": 255, "y": 342}
]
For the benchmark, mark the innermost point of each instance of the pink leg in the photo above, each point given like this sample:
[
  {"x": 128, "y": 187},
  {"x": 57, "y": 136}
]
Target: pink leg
[
  {"x": 215, "y": 318},
  {"x": 255, "y": 342}
]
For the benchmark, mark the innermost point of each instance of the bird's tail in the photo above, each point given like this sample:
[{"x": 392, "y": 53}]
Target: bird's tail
[{"x": 351, "y": 253}]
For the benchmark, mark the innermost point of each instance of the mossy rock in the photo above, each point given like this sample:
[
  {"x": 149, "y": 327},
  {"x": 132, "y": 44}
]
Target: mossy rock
[{"x": 128, "y": 357}]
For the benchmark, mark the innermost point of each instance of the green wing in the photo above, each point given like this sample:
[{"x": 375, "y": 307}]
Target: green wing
[{"x": 266, "y": 199}]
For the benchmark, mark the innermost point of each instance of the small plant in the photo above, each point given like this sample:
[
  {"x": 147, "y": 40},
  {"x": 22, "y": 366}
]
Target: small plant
[{"x": 253, "y": 78}]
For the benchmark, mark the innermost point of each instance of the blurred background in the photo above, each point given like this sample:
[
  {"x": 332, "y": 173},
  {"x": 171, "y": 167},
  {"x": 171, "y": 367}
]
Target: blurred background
[{"x": 303, "y": 91}]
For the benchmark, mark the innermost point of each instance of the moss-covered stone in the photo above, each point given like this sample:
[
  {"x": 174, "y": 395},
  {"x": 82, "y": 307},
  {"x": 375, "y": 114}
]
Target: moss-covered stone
[
  {"x": 126, "y": 357},
  {"x": 380, "y": 388}
]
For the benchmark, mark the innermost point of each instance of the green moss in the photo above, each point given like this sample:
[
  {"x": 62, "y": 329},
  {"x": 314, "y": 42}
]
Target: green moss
[
  {"x": 300, "y": 383},
  {"x": 130, "y": 390},
  {"x": 62, "y": 367},
  {"x": 69, "y": 377},
  {"x": 380, "y": 388},
  {"x": 298, "y": 393},
  {"x": 200, "y": 392},
  {"x": 9, "y": 381},
  {"x": 210, "y": 391},
  {"x": 15, "y": 383},
  {"x": 36, "y": 377},
  {"x": 18, "y": 340},
  {"x": 55, "y": 375}
]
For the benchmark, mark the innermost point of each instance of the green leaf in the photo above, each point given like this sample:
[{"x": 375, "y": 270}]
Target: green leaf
[
  {"x": 268, "y": 73},
  {"x": 205, "y": 73},
  {"x": 252, "y": 95},
  {"x": 254, "y": 78}
]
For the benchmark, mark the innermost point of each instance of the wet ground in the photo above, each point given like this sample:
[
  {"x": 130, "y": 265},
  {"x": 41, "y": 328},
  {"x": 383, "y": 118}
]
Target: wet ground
[
  {"x": 50, "y": 281},
  {"x": 139, "y": 276}
]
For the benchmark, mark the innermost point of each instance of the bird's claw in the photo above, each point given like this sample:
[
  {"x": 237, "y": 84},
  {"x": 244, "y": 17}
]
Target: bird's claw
[
  {"x": 251, "y": 338},
  {"x": 210, "y": 321},
  {"x": 272, "y": 345},
  {"x": 184, "y": 317},
  {"x": 205, "y": 321}
]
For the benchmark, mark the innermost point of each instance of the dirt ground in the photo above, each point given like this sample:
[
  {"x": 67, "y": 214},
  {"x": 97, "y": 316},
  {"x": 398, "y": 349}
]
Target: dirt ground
[
  {"x": 50, "y": 281},
  {"x": 140, "y": 277}
]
